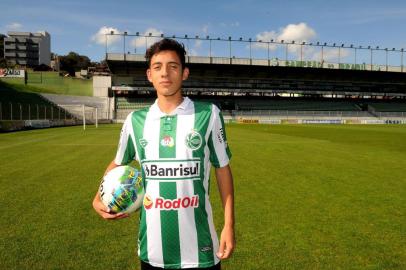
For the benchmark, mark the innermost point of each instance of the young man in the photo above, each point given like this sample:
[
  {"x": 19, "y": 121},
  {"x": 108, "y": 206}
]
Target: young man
[{"x": 176, "y": 141}]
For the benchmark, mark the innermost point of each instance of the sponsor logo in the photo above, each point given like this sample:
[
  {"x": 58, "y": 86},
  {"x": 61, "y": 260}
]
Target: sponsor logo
[
  {"x": 220, "y": 136},
  {"x": 147, "y": 202},
  {"x": 143, "y": 142},
  {"x": 168, "y": 204},
  {"x": 193, "y": 140},
  {"x": 11, "y": 73},
  {"x": 167, "y": 141},
  {"x": 172, "y": 169}
]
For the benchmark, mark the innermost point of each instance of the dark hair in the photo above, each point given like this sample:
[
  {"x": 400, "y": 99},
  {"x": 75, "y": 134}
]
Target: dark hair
[{"x": 166, "y": 44}]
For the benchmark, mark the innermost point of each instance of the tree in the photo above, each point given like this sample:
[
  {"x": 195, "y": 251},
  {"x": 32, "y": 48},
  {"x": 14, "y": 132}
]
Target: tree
[
  {"x": 4, "y": 63},
  {"x": 74, "y": 62}
]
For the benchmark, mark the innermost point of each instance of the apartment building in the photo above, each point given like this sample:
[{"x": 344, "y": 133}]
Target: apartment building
[{"x": 28, "y": 49}]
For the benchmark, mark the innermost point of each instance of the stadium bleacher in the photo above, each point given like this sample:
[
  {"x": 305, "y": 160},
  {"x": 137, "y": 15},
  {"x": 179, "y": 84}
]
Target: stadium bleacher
[
  {"x": 388, "y": 106},
  {"x": 17, "y": 105},
  {"x": 297, "y": 105},
  {"x": 128, "y": 103},
  {"x": 262, "y": 106}
]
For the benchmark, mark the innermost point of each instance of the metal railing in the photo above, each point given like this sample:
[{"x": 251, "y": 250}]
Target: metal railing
[{"x": 20, "y": 111}]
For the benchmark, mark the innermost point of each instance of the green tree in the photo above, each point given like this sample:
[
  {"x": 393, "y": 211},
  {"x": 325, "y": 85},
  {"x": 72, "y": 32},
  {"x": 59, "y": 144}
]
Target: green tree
[{"x": 74, "y": 62}]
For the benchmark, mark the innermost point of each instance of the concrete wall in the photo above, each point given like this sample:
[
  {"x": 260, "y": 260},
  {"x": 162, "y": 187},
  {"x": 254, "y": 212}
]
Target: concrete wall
[
  {"x": 122, "y": 80},
  {"x": 101, "y": 85},
  {"x": 72, "y": 104}
]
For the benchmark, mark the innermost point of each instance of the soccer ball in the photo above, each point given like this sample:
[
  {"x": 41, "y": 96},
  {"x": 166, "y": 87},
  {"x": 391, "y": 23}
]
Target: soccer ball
[{"x": 122, "y": 190}]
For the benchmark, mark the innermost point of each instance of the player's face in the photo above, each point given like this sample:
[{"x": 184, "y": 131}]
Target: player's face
[{"x": 166, "y": 73}]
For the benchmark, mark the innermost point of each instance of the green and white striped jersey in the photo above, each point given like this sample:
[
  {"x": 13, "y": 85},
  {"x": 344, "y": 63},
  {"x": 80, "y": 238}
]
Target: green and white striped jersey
[{"x": 176, "y": 152}]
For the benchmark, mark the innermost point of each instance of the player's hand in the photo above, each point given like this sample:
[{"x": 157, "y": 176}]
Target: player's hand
[
  {"x": 227, "y": 243},
  {"x": 104, "y": 212}
]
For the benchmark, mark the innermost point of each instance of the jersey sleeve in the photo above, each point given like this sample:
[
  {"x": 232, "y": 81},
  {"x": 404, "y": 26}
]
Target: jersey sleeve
[
  {"x": 220, "y": 154},
  {"x": 126, "y": 148}
]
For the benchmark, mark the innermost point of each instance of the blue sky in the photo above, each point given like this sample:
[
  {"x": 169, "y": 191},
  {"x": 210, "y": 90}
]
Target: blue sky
[{"x": 78, "y": 25}]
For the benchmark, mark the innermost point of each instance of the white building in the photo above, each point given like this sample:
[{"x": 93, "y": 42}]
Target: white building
[{"x": 28, "y": 49}]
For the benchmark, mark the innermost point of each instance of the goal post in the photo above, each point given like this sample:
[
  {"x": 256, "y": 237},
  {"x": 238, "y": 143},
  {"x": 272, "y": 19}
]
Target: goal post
[{"x": 88, "y": 114}]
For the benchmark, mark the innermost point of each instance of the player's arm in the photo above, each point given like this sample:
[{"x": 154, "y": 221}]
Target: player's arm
[
  {"x": 226, "y": 189},
  {"x": 125, "y": 153},
  {"x": 98, "y": 205}
]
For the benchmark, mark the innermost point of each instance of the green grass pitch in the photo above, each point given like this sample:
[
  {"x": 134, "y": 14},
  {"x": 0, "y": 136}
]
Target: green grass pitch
[{"x": 307, "y": 197}]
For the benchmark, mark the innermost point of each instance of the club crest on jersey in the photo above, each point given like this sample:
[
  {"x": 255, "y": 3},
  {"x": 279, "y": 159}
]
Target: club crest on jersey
[
  {"x": 143, "y": 142},
  {"x": 193, "y": 140},
  {"x": 167, "y": 141}
]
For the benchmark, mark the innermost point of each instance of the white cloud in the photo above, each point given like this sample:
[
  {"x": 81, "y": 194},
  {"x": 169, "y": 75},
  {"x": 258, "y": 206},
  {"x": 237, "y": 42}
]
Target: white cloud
[
  {"x": 332, "y": 54},
  {"x": 292, "y": 32},
  {"x": 100, "y": 36},
  {"x": 193, "y": 52},
  {"x": 298, "y": 33},
  {"x": 205, "y": 29},
  {"x": 15, "y": 26},
  {"x": 198, "y": 44},
  {"x": 266, "y": 36},
  {"x": 140, "y": 42}
]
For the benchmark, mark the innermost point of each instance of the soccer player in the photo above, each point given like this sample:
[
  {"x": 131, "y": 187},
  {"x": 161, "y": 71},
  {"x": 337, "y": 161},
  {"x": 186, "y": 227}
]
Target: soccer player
[{"x": 176, "y": 141}]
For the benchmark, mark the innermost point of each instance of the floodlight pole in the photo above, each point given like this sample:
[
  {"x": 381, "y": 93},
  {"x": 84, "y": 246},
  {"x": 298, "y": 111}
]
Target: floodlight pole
[
  {"x": 250, "y": 51},
  {"x": 229, "y": 41},
  {"x": 322, "y": 56},
  {"x": 105, "y": 45},
  {"x": 210, "y": 48},
  {"x": 125, "y": 33},
  {"x": 268, "y": 52}
]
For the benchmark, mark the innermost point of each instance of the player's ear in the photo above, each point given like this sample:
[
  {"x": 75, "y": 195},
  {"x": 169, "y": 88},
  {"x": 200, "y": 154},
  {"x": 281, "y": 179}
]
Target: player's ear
[
  {"x": 185, "y": 73},
  {"x": 149, "y": 75}
]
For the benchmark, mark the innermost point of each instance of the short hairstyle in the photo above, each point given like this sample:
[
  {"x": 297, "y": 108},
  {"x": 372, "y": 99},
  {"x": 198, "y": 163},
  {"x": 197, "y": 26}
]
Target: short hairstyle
[{"x": 166, "y": 44}]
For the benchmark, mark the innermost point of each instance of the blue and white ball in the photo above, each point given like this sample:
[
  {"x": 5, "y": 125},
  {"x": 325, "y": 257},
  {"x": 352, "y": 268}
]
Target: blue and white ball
[{"x": 122, "y": 190}]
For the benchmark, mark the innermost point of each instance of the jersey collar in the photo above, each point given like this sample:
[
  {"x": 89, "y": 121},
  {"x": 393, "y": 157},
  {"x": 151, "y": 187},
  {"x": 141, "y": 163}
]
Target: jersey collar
[{"x": 181, "y": 108}]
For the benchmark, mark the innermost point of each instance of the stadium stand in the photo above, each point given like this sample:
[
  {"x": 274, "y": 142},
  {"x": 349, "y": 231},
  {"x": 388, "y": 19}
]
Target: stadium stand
[
  {"x": 388, "y": 106},
  {"x": 235, "y": 107},
  {"x": 297, "y": 105},
  {"x": 128, "y": 103},
  {"x": 17, "y": 105}
]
